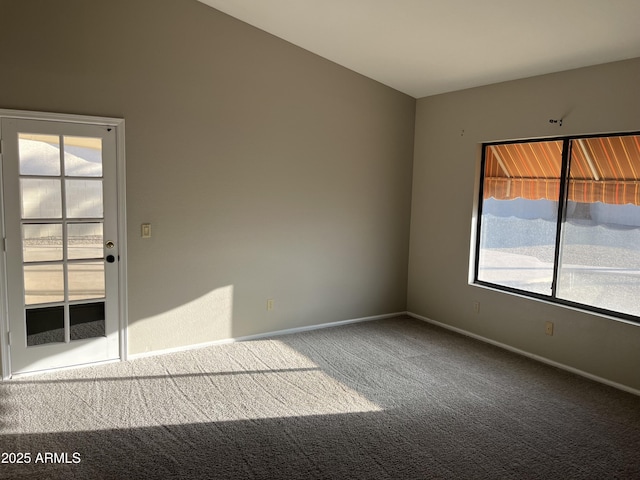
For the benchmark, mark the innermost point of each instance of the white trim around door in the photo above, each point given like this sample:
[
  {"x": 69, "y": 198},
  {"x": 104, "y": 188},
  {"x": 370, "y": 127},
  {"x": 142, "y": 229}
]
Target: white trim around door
[{"x": 113, "y": 129}]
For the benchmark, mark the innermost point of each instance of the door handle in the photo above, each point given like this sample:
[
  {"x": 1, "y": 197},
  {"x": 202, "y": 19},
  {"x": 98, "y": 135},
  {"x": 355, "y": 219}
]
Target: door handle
[{"x": 110, "y": 259}]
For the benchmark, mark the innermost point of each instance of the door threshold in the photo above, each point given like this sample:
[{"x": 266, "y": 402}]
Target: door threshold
[{"x": 17, "y": 376}]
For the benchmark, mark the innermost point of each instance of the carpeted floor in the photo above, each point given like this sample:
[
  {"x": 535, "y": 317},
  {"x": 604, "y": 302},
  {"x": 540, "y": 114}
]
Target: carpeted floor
[{"x": 391, "y": 399}]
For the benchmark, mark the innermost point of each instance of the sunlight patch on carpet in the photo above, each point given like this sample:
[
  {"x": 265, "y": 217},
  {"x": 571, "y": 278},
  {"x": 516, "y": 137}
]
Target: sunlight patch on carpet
[{"x": 234, "y": 382}]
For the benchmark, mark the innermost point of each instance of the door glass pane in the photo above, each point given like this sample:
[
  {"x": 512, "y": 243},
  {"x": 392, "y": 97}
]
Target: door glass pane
[
  {"x": 42, "y": 242},
  {"x": 521, "y": 184},
  {"x": 84, "y": 198},
  {"x": 87, "y": 320},
  {"x": 84, "y": 241},
  {"x": 39, "y": 154},
  {"x": 82, "y": 157},
  {"x": 600, "y": 251},
  {"x": 43, "y": 284},
  {"x": 45, "y": 325},
  {"x": 86, "y": 280},
  {"x": 40, "y": 198}
]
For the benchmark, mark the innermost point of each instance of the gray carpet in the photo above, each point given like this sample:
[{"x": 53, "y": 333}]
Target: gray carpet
[{"x": 392, "y": 399}]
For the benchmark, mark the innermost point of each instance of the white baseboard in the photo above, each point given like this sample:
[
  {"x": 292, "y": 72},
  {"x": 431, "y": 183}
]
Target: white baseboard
[
  {"x": 259, "y": 336},
  {"x": 533, "y": 356}
]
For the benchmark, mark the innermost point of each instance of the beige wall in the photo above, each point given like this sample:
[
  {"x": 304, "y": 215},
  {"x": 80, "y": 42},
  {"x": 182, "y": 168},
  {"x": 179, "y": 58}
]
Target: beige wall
[
  {"x": 449, "y": 129},
  {"x": 265, "y": 171},
  {"x": 268, "y": 172}
]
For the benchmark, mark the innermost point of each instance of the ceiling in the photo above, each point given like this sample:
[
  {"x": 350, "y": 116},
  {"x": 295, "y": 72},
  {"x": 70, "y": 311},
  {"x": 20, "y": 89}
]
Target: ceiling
[{"x": 426, "y": 47}]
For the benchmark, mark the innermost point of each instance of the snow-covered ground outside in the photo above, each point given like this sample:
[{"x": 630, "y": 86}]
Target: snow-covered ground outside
[
  {"x": 599, "y": 261},
  {"x": 41, "y": 188}
]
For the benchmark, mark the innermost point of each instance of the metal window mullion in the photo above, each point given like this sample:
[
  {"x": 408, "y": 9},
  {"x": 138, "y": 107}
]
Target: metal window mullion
[
  {"x": 479, "y": 219},
  {"x": 562, "y": 202},
  {"x": 65, "y": 253}
]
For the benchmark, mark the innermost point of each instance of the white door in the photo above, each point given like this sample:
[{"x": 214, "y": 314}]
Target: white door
[{"x": 60, "y": 212}]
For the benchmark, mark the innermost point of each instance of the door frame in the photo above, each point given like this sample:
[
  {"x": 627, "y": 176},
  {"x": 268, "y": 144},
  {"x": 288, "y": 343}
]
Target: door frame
[{"x": 118, "y": 125}]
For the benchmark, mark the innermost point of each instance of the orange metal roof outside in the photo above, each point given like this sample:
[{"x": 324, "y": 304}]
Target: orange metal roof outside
[{"x": 602, "y": 169}]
